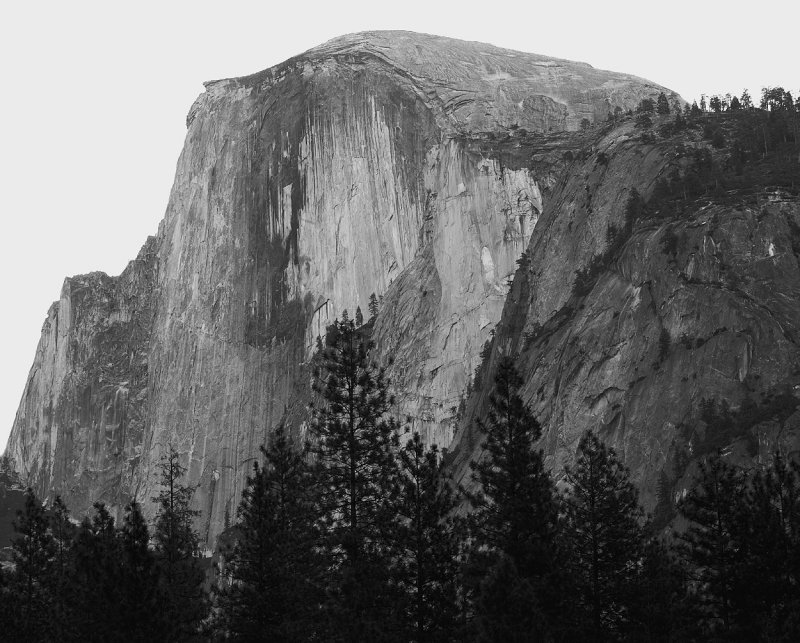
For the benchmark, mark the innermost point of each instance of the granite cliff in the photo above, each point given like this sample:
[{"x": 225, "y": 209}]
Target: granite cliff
[
  {"x": 672, "y": 338},
  {"x": 413, "y": 167}
]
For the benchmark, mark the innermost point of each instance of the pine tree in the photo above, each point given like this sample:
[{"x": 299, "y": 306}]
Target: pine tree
[
  {"x": 768, "y": 565},
  {"x": 429, "y": 544},
  {"x": 515, "y": 519},
  {"x": 358, "y": 477},
  {"x": 273, "y": 573},
  {"x": 713, "y": 509},
  {"x": 604, "y": 534},
  {"x": 95, "y": 604},
  {"x": 658, "y": 610},
  {"x": 29, "y": 585},
  {"x": 662, "y": 106},
  {"x": 139, "y": 598},
  {"x": 177, "y": 552},
  {"x": 63, "y": 532},
  {"x": 373, "y": 306},
  {"x": 359, "y": 317}
]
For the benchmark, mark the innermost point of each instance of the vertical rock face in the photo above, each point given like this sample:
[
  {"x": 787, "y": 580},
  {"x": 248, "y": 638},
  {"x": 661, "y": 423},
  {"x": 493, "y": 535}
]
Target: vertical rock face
[
  {"x": 83, "y": 414},
  {"x": 387, "y": 163},
  {"x": 705, "y": 305}
]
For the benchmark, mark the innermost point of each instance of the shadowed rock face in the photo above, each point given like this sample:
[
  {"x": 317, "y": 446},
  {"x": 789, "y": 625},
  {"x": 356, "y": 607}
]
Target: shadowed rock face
[
  {"x": 720, "y": 284},
  {"x": 408, "y": 166}
]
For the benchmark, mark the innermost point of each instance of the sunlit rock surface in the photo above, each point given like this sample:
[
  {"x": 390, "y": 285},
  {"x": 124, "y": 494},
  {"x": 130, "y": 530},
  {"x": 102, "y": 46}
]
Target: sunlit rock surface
[{"x": 408, "y": 166}]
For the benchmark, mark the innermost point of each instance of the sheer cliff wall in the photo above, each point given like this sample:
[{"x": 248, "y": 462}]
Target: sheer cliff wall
[
  {"x": 387, "y": 163},
  {"x": 701, "y": 305}
]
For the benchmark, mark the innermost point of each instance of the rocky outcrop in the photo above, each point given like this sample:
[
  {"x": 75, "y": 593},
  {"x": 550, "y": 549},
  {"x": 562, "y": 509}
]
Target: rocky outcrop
[
  {"x": 701, "y": 305},
  {"x": 83, "y": 415},
  {"x": 408, "y": 166}
]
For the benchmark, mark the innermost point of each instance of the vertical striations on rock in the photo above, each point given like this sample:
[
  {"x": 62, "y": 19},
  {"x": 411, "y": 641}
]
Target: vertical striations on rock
[{"x": 407, "y": 166}]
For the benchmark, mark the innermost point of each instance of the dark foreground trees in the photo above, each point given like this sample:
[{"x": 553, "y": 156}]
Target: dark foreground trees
[
  {"x": 363, "y": 542},
  {"x": 271, "y": 587},
  {"x": 354, "y": 446},
  {"x": 742, "y": 548},
  {"x": 182, "y": 600},
  {"x": 427, "y": 546},
  {"x": 512, "y": 566},
  {"x": 604, "y": 540}
]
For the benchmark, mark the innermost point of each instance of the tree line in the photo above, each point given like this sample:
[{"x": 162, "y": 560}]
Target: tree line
[
  {"x": 100, "y": 581},
  {"x": 352, "y": 536}
]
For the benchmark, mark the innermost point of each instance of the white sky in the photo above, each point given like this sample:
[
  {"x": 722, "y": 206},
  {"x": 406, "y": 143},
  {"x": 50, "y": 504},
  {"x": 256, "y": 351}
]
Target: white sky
[{"x": 93, "y": 100}]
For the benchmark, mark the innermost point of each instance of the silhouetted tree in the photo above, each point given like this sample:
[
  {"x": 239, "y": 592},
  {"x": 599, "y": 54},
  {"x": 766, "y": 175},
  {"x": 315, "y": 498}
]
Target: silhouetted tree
[
  {"x": 605, "y": 537},
  {"x": 658, "y": 610},
  {"x": 30, "y": 583},
  {"x": 354, "y": 440},
  {"x": 513, "y": 558},
  {"x": 272, "y": 578},
  {"x": 137, "y": 578},
  {"x": 709, "y": 544},
  {"x": 177, "y": 550},
  {"x": 429, "y": 542},
  {"x": 96, "y": 612}
]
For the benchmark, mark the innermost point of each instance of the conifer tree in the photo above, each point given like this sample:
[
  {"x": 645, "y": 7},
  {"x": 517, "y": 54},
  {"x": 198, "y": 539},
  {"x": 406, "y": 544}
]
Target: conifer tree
[
  {"x": 354, "y": 440},
  {"x": 768, "y": 562},
  {"x": 604, "y": 534},
  {"x": 273, "y": 573},
  {"x": 95, "y": 603},
  {"x": 63, "y": 532},
  {"x": 658, "y": 610},
  {"x": 662, "y": 106},
  {"x": 428, "y": 544},
  {"x": 515, "y": 520},
  {"x": 373, "y": 306},
  {"x": 177, "y": 552},
  {"x": 33, "y": 550},
  {"x": 139, "y": 599},
  {"x": 714, "y": 509}
]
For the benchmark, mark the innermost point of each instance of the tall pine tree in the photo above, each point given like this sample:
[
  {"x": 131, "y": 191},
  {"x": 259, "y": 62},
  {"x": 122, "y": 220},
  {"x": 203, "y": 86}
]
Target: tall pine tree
[
  {"x": 96, "y": 612},
  {"x": 183, "y": 604},
  {"x": 605, "y": 538},
  {"x": 354, "y": 440},
  {"x": 429, "y": 544},
  {"x": 30, "y": 584},
  {"x": 512, "y": 563},
  {"x": 271, "y": 591},
  {"x": 139, "y": 599},
  {"x": 713, "y": 509}
]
